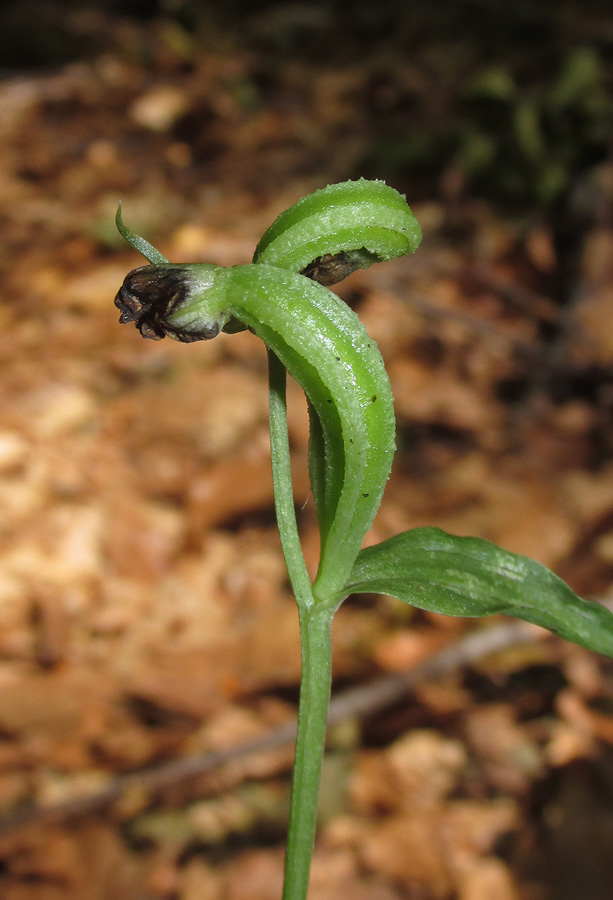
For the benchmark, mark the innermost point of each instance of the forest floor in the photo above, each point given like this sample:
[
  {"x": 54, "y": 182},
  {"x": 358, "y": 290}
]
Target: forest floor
[{"x": 145, "y": 616}]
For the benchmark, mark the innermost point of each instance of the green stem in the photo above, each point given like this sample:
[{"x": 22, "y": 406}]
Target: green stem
[
  {"x": 315, "y": 634},
  {"x": 316, "y": 644},
  {"x": 282, "y": 484}
]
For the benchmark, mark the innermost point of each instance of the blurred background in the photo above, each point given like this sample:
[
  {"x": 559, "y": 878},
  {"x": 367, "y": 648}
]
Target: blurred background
[{"x": 145, "y": 615}]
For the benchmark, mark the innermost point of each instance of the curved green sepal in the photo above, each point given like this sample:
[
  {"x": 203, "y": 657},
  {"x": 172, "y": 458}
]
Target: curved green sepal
[
  {"x": 324, "y": 346},
  {"x": 340, "y": 228},
  {"x": 137, "y": 242},
  {"x": 316, "y": 336},
  {"x": 464, "y": 576},
  {"x": 326, "y": 236}
]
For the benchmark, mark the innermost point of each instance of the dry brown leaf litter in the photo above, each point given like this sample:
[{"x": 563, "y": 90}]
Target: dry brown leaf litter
[{"x": 145, "y": 611}]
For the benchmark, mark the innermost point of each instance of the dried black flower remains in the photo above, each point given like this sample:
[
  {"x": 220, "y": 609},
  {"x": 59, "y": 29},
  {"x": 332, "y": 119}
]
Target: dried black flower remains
[{"x": 150, "y": 295}]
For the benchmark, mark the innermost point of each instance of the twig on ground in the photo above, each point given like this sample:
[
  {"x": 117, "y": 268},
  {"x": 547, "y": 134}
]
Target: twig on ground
[{"x": 356, "y": 702}]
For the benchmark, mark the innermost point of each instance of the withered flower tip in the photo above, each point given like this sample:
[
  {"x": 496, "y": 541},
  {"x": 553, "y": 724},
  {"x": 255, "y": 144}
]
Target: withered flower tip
[
  {"x": 334, "y": 267},
  {"x": 148, "y": 297}
]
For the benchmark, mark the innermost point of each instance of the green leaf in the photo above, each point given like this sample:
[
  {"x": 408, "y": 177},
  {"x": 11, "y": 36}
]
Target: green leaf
[
  {"x": 496, "y": 83},
  {"x": 529, "y": 131},
  {"x": 464, "y": 576}
]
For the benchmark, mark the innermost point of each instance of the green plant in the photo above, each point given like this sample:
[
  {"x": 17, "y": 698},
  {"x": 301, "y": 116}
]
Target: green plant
[
  {"x": 533, "y": 142},
  {"x": 284, "y": 299}
]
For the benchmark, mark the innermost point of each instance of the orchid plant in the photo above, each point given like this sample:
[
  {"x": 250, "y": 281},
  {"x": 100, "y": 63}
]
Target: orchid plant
[{"x": 283, "y": 297}]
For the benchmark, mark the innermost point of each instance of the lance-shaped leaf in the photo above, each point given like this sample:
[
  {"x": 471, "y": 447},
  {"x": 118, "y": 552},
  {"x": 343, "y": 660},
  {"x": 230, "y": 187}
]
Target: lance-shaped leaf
[{"x": 464, "y": 576}]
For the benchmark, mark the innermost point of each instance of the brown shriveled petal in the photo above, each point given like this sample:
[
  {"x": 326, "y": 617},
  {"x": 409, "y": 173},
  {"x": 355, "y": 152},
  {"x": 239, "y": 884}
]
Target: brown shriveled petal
[
  {"x": 333, "y": 267},
  {"x": 149, "y": 295}
]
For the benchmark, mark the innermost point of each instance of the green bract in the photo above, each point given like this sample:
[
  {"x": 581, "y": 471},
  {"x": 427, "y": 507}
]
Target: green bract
[{"x": 282, "y": 297}]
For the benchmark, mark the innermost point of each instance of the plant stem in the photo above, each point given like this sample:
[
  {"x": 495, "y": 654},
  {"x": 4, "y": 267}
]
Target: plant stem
[
  {"x": 316, "y": 646},
  {"x": 282, "y": 484},
  {"x": 315, "y": 634}
]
